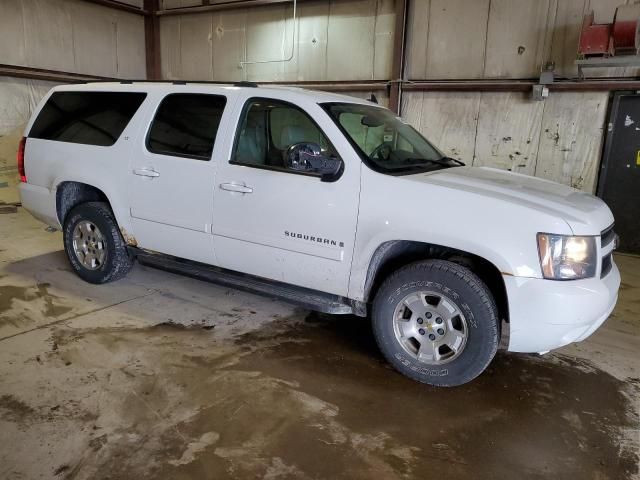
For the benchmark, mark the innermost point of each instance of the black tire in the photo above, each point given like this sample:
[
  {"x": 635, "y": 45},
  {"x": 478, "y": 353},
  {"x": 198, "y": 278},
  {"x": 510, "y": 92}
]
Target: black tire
[
  {"x": 474, "y": 301},
  {"x": 117, "y": 262}
]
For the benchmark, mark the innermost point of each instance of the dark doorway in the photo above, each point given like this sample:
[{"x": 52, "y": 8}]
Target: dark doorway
[{"x": 619, "y": 184}]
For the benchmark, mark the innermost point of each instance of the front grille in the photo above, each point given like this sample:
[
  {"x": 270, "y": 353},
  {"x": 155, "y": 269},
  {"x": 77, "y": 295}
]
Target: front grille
[
  {"x": 607, "y": 236},
  {"x": 607, "y": 264}
]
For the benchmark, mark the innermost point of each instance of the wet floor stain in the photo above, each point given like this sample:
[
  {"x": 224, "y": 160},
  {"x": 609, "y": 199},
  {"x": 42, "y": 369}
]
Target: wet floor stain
[
  {"x": 313, "y": 399},
  {"x": 11, "y": 296}
]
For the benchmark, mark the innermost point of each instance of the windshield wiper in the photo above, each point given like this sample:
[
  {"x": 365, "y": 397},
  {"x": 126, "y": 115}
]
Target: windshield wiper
[
  {"x": 454, "y": 160},
  {"x": 444, "y": 161}
]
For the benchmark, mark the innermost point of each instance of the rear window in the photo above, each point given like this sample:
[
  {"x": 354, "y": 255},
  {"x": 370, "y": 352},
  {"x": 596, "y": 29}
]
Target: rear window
[
  {"x": 91, "y": 118},
  {"x": 186, "y": 125}
]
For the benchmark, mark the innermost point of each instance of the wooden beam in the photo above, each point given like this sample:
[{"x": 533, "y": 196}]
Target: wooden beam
[
  {"x": 399, "y": 44},
  {"x": 152, "y": 40},
  {"x": 233, "y": 4},
  {"x": 48, "y": 75},
  {"x": 120, "y": 6},
  {"x": 335, "y": 86},
  {"x": 520, "y": 85}
]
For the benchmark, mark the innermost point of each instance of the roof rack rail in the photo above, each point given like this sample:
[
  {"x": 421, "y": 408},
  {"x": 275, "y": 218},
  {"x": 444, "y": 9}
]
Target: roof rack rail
[{"x": 246, "y": 84}]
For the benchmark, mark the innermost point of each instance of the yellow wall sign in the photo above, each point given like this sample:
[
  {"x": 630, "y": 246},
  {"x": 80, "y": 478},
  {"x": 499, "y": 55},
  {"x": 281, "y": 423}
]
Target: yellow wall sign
[{"x": 638, "y": 158}]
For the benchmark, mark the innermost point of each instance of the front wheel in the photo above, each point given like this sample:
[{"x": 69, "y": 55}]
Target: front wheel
[
  {"x": 94, "y": 245},
  {"x": 436, "y": 322}
]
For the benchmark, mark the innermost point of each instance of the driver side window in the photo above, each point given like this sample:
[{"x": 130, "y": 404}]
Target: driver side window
[{"x": 268, "y": 128}]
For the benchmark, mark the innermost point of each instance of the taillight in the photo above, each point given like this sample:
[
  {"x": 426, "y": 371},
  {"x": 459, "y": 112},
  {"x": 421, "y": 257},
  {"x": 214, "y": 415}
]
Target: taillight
[{"x": 23, "y": 175}]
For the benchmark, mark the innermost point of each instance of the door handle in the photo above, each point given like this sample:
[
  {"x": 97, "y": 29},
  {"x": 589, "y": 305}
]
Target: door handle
[
  {"x": 235, "y": 187},
  {"x": 146, "y": 172}
]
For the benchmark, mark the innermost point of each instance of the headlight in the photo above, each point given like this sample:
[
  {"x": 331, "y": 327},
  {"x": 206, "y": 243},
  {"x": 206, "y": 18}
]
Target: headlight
[{"x": 563, "y": 257}]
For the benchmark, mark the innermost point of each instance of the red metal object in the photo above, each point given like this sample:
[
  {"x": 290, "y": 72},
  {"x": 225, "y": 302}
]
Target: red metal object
[
  {"x": 625, "y": 25},
  {"x": 595, "y": 39}
]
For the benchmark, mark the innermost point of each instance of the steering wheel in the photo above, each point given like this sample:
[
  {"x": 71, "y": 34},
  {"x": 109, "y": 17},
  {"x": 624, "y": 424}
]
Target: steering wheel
[{"x": 379, "y": 151}]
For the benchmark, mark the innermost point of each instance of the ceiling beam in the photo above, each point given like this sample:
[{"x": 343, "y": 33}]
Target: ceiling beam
[
  {"x": 120, "y": 6},
  {"x": 566, "y": 85},
  {"x": 233, "y": 4},
  {"x": 48, "y": 75}
]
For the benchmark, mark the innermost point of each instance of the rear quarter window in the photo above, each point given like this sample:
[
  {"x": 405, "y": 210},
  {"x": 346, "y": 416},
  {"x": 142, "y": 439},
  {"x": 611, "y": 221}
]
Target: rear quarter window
[{"x": 90, "y": 118}]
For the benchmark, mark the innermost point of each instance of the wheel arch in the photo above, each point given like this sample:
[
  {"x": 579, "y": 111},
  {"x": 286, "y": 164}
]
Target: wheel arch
[
  {"x": 71, "y": 193},
  {"x": 394, "y": 254}
]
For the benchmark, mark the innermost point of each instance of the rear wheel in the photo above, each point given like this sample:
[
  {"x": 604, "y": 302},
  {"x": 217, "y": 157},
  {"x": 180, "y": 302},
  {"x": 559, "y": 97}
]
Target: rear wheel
[
  {"x": 94, "y": 245},
  {"x": 436, "y": 322}
]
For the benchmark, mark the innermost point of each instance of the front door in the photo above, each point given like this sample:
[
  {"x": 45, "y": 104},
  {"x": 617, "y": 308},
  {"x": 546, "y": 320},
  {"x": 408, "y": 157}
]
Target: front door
[
  {"x": 620, "y": 171},
  {"x": 171, "y": 178},
  {"x": 275, "y": 222}
]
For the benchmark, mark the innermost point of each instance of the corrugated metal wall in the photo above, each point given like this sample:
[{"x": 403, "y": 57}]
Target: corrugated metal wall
[
  {"x": 338, "y": 40},
  {"x": 558, "y": 139},
  {"x": 72, "y": 36},
  {"x": 471, "y": 39}
]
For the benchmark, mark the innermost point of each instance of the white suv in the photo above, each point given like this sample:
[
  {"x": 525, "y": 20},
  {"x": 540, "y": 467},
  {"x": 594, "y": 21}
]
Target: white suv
[{"x": 324, "y": 200}]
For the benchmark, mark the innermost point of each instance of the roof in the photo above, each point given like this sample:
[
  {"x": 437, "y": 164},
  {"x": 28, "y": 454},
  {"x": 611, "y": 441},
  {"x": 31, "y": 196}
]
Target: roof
[{"x": 204, "y": 87}]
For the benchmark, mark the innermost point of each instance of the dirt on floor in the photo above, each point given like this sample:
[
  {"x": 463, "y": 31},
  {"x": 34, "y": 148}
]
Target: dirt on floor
[
  {"x": 9, "y": 177},
  {"x": 160, "y": 376}
]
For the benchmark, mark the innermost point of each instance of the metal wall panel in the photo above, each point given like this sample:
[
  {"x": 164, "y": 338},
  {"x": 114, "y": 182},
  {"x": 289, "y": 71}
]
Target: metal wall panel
[
  {"x": 170, "y": 47},
  {"x": 213, "y": 44},
  {"x": 448, "y": 119},
  {"x": 571, "y": 138},
  {"x": 558, "y": 139},
  {"x": 48, "y": 40},
  {"x": 383, "y": 39},
  {"x": 196, "y": 47},
  {"x": 130, "y": 46},
  {"x": 351, "y": 29},
  {"x": 12, "y": 33},
  {"x": 266, "y": 41},
  {"x": 94, "y": 33},
  {"x": 312, "y": 41},
  {"x": 508, "y": 131},
  {"x": 457, "y": 35},
  {"x": 417, "y": 39},
  {"x": 73, "y": 36},
  {"x": 229, "y": 45},
  {"x": 461, "y": 39},
  {"x": 516, "y": 35}
]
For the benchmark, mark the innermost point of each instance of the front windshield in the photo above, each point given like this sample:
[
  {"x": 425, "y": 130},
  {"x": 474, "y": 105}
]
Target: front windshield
[{"x": 385, "y": 142}]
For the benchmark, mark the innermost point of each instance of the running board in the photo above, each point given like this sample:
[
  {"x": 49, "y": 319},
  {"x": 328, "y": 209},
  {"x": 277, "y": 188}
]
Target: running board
[{"x": 303, "y": 297}]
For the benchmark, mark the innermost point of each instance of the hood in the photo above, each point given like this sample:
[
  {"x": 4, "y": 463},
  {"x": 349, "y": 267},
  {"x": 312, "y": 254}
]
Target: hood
[{"x": 585, "y": 213}]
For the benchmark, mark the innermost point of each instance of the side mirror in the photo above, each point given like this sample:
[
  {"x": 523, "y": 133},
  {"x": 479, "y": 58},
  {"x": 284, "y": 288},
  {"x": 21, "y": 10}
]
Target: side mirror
[{"x": 308, "y": 157}]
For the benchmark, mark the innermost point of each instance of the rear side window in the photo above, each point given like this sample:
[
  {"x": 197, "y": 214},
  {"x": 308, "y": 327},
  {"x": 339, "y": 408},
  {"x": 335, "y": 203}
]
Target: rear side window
[
  {"x": 91, "y": 118},
  {"x": 186, "y": 125}
]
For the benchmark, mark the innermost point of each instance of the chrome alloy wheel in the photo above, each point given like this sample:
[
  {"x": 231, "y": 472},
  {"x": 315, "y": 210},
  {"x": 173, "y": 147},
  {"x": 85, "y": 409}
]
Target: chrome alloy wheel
[
  {"x": 89, "y": 245},
  {"x": 430, "y": 327}
]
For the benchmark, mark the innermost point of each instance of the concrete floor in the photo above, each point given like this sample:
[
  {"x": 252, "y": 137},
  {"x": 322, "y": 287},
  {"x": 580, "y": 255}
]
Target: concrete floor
[{"x": 161, "y": 376}]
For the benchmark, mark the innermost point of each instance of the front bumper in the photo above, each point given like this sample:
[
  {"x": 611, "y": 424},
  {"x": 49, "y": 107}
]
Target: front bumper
[{"x": 548, "y": 314}]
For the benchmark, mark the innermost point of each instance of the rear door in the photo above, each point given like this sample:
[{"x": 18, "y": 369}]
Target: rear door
[{"x": 171, "y": 177}]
